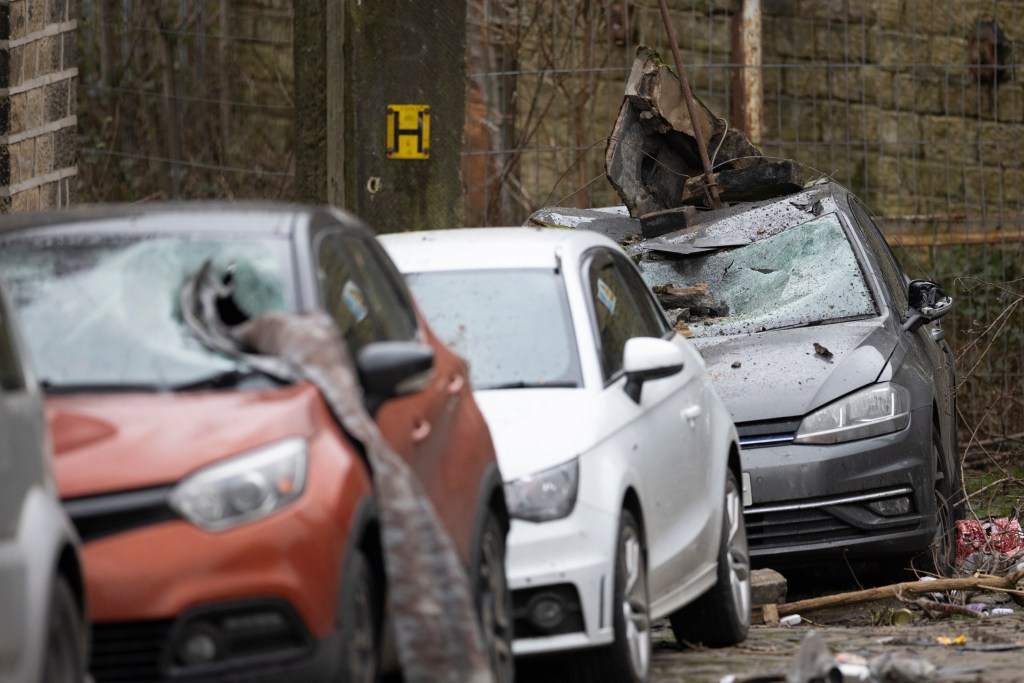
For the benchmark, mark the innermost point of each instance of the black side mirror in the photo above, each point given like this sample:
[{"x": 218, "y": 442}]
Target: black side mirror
[
  {"x": 393, "y": 368},
  {"x": 928, "y": 302}
]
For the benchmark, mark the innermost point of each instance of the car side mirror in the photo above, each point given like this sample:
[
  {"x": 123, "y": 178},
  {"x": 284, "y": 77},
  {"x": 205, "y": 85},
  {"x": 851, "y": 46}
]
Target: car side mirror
[
  {"x": 393, "y": 368},
  {"x": 647, "y": 358},
  {"x": 928, "y": 302}
]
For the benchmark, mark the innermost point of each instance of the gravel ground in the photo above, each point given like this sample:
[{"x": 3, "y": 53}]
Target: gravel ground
[{"x": 991, "y": 649}]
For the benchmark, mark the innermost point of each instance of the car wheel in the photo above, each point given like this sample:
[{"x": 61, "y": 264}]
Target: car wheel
[
  {"x": 721, "y": 617},
  {"x": 494, "y": 599},
  {"x": 65, "y": 640},
  {"x": 360, "y": 613},
  {"x": 628, "y": 658}
]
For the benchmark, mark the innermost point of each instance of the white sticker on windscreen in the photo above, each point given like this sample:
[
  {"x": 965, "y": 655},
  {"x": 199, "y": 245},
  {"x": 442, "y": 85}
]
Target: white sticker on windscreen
[
  {"x": 605, "y": 295},
  {"x": 354, "y": 300}
]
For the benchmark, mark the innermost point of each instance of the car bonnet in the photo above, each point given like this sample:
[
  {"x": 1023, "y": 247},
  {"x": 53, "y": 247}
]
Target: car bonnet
[
  {"x": 788, "y": 373},
  {"x": 125, "y": 441},
  {"x": 535, "y": 429}
]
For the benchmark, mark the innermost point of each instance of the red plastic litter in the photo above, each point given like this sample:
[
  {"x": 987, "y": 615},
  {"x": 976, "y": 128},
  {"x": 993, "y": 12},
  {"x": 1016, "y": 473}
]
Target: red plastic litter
[{"x": 1002, "y": 535}]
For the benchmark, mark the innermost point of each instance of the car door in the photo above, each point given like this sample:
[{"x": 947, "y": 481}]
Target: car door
[
  {"x": 666, "y": 434},
  {"x": 369, "y": 301}
]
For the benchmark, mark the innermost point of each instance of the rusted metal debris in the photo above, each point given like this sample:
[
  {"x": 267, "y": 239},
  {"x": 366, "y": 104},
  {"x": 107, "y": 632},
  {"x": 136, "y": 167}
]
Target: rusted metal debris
[
  {"x": 691, "y": 108},
  {"x": 653, "y": 159},
  {"x": 430, "y": 604}
]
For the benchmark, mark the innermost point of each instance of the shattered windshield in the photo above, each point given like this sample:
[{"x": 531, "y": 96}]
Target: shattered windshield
[
  {"x": 512, "y": 326},
  {"x": 102, "y": 311},
  {"x": 804, "y": 275}
]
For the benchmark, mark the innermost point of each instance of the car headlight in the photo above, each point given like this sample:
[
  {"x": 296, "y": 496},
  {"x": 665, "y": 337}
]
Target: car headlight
[
  {"x": 245, "y": 488},
  {"x": 544, "y": 496},
  {"x": 872, "y": 411}
]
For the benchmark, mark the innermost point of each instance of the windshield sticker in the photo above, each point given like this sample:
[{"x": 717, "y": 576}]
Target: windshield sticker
[
  {"x": 605, "y": 295},
  {"x": 354, "y": 300}
]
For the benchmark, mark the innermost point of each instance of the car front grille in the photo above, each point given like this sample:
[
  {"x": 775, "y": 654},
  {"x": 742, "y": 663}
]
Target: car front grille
[
  {"x": 98, "y": 516},
  {"x": 129, "y": 651},
  {"x": 794, "y": 523},
  {"x": 771, "y": 433},
  {"x": 786, "y": 528},
  {"x": 245, "y": 637}
]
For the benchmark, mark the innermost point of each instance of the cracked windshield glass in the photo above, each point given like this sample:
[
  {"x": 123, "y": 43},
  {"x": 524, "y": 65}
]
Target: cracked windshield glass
[
  {"x": 805, "y": 275},
  {"x": 104, "y": 311},
  {"x": 512, "y": 336}
]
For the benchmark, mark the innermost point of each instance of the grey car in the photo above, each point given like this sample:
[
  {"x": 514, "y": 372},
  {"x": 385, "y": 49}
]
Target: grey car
[
  {"x": 832, "y": 364},
  {"x": 43, "y": 628}
]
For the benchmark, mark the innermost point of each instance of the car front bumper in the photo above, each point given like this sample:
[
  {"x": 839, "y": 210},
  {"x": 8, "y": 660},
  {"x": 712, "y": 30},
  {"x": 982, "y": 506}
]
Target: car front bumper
[
  {"x": 848, "y": 498},
  {"x": 568, "y": 563},
  {"x": 162, "y": 591}
]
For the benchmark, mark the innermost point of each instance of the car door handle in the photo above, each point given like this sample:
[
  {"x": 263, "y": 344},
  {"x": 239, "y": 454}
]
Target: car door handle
[
  {"x": 691, "y": 413},
  {"x": 421, "y": 430},
  {"x": 455, "y": 383}
]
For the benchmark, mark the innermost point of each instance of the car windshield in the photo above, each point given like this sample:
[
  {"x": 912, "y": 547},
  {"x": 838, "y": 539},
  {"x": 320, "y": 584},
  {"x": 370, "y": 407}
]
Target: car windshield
[
  {"x": 102, "y": 311},
  {"x": 512, "y": 326},
  {"x": 804, "y": 275}
]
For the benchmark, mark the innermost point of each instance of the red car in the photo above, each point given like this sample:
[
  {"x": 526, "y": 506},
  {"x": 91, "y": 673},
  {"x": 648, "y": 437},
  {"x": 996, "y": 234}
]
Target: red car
[{"x": 228, "y": 522}]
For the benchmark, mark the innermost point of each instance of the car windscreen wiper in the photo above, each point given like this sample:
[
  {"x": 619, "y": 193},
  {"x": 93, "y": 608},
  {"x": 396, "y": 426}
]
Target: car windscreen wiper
[
  {"x": 520, "y": 384},
  {"x": 50, "y": 387},
  {"x": 223, "y": 380}
]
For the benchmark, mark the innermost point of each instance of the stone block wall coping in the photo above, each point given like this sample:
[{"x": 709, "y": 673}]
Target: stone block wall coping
[
  {"x": 36, "y": 181},
  {"x": 40, "y": 81},
  {"x": 49, "y": 127}
]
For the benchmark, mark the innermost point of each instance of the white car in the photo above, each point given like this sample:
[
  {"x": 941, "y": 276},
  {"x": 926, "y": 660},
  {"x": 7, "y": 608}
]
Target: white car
[{"x": 621, "y": 464}]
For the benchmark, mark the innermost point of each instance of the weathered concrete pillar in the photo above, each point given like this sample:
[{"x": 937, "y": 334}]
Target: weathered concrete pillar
[
  {"x": 380, "y": 102},
  {"x": 38, "y": 79}
]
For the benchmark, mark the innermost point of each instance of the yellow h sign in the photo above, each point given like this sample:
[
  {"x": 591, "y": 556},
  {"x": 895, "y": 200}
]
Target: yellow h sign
[{"x": 408, "y": 131}]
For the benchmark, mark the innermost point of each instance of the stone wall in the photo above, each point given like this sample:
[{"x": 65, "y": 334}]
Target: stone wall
[{"x": 37, "y": 104}]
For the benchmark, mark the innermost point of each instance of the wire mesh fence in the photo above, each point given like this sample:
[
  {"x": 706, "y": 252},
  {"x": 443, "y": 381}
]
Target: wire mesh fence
[
  {"x": 185, "y": 99},
  {"x": 916, "y": 105}
]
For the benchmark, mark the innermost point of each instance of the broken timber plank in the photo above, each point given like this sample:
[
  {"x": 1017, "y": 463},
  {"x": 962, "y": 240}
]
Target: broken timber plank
[{"x": 1008, "y": 582}]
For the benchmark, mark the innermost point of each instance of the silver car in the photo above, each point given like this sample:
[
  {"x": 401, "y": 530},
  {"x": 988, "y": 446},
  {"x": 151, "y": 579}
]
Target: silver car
[{"x": 43, "y": 627}]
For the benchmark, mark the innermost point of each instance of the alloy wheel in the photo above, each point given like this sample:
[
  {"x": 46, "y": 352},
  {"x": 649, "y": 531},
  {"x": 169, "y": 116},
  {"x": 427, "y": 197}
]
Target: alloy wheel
[{"x": 738, "y": 554}]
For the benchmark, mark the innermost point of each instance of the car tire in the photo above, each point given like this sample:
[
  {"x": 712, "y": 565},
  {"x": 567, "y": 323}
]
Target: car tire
[
  {"x": 494, "y": 599},
  {"x": 939, "y": 559},
  {"x": 721, "y": 617},
  {"x": 360, "y": 611},
  {"x": 628, "y": 658},
  {"x": 66, "y": 636}
]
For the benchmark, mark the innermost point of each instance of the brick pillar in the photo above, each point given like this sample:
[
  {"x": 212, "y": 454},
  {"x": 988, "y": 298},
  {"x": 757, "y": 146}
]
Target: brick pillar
[{"x": 38, "y": 79}]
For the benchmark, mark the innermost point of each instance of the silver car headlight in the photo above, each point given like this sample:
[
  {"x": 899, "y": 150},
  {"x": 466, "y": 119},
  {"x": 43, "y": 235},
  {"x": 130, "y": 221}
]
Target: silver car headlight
[
  {"x": 546, "y": 495},
  {"x": 872, "y": 411},
  {"x": 245, "y": 488}
]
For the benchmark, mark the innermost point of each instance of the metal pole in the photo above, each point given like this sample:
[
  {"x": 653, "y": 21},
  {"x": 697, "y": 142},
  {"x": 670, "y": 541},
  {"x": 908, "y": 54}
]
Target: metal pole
[
  {"x": 691, "y": 107},
  {"x": 747, "y": 97}
]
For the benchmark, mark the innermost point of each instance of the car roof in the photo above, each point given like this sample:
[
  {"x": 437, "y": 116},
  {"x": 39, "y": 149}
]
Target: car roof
[
  {"x": 489, "y": 248},
  {"x": 260, "y": 217}
]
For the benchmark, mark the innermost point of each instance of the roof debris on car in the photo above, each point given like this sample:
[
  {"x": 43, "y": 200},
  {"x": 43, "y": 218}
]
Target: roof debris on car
[{"x": 430, "y": 603}]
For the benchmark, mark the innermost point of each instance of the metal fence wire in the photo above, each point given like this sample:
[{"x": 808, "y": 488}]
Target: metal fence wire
[{"x": 915, "y": 105}]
